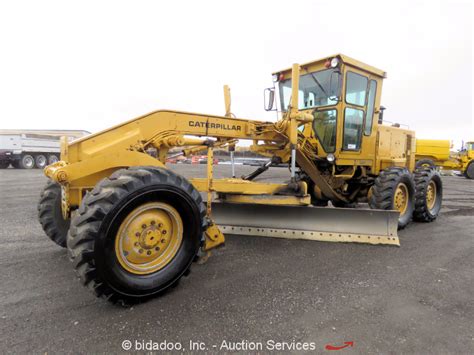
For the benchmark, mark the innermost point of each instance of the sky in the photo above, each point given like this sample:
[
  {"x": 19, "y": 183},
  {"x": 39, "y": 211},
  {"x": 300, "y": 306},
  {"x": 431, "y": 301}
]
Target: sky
[{"x": 92, "y": 64}]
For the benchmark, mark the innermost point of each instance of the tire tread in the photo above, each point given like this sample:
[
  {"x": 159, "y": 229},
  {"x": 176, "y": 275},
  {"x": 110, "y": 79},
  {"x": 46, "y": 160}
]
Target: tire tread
[{"x": 85, "y": 226}]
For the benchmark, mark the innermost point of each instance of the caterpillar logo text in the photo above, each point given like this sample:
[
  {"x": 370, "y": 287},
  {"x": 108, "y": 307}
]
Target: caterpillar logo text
[{"x": 210, "y": 125}]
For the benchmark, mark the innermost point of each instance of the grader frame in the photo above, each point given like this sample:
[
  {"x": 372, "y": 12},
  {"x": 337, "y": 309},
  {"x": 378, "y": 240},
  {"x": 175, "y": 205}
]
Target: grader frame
[
  {"x": 86, "y": 161},
  {"x": 133, "y": 227}
]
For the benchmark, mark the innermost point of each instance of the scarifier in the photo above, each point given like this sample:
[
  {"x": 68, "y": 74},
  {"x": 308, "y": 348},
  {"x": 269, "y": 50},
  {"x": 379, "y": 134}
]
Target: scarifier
[{"x": 133, "y": 227}]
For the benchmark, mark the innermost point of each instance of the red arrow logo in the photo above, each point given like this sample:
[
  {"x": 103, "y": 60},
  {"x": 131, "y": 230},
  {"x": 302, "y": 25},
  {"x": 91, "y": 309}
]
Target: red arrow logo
[{"x": 346, "y": 344}]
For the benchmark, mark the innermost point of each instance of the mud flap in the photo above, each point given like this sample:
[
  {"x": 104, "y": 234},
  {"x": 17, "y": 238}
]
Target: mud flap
[{"x": 313, "y": 223}]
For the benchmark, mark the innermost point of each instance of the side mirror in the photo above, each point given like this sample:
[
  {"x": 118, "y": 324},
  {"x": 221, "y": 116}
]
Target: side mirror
[
  {"x": 380, "y": 112},
  {"x": 269, "y": 98}
]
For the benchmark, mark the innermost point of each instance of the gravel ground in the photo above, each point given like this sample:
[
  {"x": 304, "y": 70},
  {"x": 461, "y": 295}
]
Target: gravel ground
[{"x": 414, "y": 299}]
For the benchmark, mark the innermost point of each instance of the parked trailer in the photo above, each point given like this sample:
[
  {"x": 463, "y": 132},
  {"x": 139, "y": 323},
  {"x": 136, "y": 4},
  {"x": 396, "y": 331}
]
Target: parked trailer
[
  {"x": 28, "y": 149},
  {"x": 432, "y": 153}
]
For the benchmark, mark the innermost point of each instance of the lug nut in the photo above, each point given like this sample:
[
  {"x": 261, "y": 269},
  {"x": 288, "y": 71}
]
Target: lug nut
[
  {"x": 137, "y": 244},
  {"x": 164, "y": 232},
  {"x": 157, "y": 248},
  {"x": 140, "y": 251},
  {"x": 143, "y": 226},
  {"x": 160, "y": 225},
  {"x": 137, "y": 234},
  {"x": 163, "y": 240},
  {"x": 153, "y": 223},
  {"x": 148, "y": 252}
]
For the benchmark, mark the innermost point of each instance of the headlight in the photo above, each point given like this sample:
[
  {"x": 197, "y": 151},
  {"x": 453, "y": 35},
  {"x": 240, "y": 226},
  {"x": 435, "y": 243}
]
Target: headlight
[
  {"x": 334, "y": 62},
  {"x": 275, "y": 78},
  {"x": 331, "y": 158}
]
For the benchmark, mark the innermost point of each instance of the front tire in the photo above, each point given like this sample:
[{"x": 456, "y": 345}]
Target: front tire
[
  {"x": 429, "y": 194},
  {"x": 115, "y": 241},
  {"x": 50, "y": 215},
  {"x": 394, "y": 189}
]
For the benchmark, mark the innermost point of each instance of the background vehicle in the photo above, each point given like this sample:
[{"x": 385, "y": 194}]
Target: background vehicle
[
  {"x": 28, "y": 149},
  {"x": 437, "y": 153},
  {"x": 133, "y": 227}
]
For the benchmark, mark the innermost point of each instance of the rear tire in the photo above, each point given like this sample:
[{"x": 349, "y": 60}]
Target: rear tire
[
  {"x": 96, "y": 233},
  {"x": 425, "y": 163},
  {"x": 394, "y": 189},
  {"x": 4, "y": 164},
  {"x": 27, "y": 162},
  {"x": 40, "y": 161},
  {"x": 429, "y": 194},
  {"x": 52, "y": 158},
  {"x": 50, "y": 214},
  {"x": 469, "y": 173}
]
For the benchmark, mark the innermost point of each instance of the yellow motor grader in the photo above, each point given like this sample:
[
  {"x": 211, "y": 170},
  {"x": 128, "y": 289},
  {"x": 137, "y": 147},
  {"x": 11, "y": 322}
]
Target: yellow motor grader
[
  {"x": 437, "y": 153},
  {"x": 133, "y": 227}
]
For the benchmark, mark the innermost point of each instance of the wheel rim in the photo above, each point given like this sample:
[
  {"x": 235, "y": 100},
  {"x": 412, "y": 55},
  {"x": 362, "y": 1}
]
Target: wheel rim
[
  {"x": 149, "y": 238},
  {"x": 41, "y": 161},
  {"x": 401, "y": 199},
  {"x": 53, "y": 159},
  {"x": 431, "y": 193},
  {"x": 28, "y": 162}
]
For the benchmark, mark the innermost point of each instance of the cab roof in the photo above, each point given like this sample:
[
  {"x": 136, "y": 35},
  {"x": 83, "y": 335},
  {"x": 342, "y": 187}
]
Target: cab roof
[{"x": 344, "y": 59}]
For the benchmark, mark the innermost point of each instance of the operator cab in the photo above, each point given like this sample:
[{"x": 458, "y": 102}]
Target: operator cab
[
  {"x": 336, "y": 90},
  {"x": 469, "y": 146}
]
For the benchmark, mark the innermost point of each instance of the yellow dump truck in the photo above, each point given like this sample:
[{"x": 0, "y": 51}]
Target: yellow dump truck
[{"x": 432, "y": 153}]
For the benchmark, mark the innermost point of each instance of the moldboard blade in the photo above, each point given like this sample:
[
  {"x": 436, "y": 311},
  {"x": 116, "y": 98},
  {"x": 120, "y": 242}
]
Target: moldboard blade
[{"x": 312, "y": 223}]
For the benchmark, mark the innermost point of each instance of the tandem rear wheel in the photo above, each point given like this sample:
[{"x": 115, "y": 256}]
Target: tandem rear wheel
[
  {"x": 429, "y": 194},
  {"x": 394, "y": 189},
  {"x": 416, "y": 196},
  {"x": 136, "y": 233}
]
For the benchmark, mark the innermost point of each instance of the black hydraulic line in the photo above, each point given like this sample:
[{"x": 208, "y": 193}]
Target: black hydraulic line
[{"x": 259, "y": 171}]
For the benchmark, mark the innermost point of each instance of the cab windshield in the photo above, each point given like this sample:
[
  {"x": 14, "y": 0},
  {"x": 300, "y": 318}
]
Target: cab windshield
[{"x": 316, "y": 89}]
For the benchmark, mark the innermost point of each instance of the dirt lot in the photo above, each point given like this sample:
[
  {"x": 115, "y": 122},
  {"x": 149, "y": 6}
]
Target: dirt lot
[{"x": 414, "y": 299}]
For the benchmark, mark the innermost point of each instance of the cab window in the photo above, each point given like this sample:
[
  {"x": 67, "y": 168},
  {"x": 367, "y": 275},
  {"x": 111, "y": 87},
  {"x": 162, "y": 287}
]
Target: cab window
[
  {"x": 353, "y": 121},
  {"x": 316, "y": 89},
  {"x": 356, "y": 88},
  {"x": 370, "y": 108},
  {"x": 324, "y": 125}
]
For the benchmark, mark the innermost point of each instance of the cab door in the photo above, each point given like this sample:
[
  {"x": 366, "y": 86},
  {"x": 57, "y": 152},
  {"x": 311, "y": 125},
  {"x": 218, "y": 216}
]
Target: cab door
[{"x": 358, "y": 115}]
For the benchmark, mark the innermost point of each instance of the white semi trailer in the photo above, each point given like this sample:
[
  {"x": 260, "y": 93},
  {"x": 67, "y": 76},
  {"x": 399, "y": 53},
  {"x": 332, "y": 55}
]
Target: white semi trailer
[{"x": 28, "y": 149}]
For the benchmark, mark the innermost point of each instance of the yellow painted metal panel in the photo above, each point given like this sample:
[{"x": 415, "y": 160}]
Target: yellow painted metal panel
[
  {"x": 263, "y": 199},
  {"x": 237, "y": 186},
  {"x": 433, "y": 149}
]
